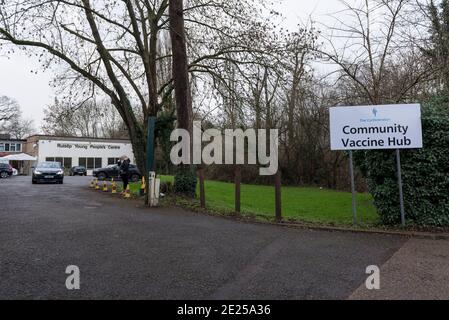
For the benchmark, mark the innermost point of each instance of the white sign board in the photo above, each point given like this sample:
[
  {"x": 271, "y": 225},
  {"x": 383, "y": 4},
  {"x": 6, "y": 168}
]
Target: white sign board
[{"x": 376, "y": 127}]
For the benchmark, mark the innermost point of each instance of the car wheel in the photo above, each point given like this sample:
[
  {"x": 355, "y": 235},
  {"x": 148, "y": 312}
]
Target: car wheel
[
  {"x": 33, "y": 181},
  {"x": 4, "y": 174},
  {"x": 135, "y": 178}
]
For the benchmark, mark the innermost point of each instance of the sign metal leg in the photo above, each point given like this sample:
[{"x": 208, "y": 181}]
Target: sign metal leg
[
  {"x": 401, "y": 194},
  {"x": 354, "y": 203}
]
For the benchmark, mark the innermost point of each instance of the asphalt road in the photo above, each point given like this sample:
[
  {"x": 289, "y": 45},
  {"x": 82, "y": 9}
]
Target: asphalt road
[{"x": 124, "y": 251}]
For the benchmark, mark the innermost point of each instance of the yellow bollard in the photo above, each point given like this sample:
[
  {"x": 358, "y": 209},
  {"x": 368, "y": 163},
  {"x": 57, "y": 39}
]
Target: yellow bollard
[
  {"x": 114, "y": 186},
  {"x": 143, "y": 187},
  {"x": 105, "y": 187},
  {"x": 97, "y": 186},
  {"x": 92, "y": 183},
  {"x": 127, "y": 193}
]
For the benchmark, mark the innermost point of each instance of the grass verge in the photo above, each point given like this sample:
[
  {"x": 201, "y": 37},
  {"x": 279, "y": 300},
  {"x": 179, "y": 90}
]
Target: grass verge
[{"x": 303, "y": 204}]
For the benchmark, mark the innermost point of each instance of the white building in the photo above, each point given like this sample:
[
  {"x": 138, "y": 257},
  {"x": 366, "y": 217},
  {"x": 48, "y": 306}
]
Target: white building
[{"x": 91, "y": 153}]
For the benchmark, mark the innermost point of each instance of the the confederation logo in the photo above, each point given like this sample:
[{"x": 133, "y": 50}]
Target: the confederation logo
[{"x": 375, "y": 118}]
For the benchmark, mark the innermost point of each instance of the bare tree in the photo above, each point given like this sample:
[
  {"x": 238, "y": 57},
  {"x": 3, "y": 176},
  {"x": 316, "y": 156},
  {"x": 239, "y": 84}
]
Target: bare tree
[
  {"x": 11, "y": 119},
  {"x": 9, "y": 108},
  {"x": 367, "y": 43},
  {"x": 115, "y": 49},
  {"x": 434, "y": 19},
  {"x": 90, "y": 119},
  {"x": 20, "y": 128}
]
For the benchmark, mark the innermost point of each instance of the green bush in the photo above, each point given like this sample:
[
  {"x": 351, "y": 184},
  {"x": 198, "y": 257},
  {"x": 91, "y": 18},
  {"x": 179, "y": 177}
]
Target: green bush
[
  {"x": 425, "y": 173},
  {"x": 185, "y": 182},
  {"x": 166, "y": 187}
]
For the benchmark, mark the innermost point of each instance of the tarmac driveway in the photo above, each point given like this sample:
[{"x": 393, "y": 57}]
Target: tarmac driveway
[{"x": 128, "y": 252}]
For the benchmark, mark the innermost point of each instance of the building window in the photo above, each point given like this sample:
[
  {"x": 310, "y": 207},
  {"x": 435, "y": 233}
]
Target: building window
[
  {"x": 12, "y": 147},
  {"x": 17, "y": 147},
  {"x": 98, "y": 163},
  {"x": 65, "y": 162},
  {"x": 60, "y": 160},
  {"x": 113, "y": 161},
  {"x": 82, "y": 162},
  {"x": 90, "y": 163}
]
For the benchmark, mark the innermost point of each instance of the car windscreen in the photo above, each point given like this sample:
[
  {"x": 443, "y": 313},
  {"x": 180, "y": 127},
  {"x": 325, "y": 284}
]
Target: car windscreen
[{"x": 49, "y": 165}]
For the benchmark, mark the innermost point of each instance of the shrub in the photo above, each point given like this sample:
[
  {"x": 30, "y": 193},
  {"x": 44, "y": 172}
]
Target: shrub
[
  {"x": 425, "y": 173},
  {"x": 185, "y": 182},
  {"x": 166, "y": 187}
]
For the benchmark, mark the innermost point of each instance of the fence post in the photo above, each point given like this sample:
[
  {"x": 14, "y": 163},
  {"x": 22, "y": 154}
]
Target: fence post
[
  {"x": 202, "y": 190},
  {"x": 277, "y": 186},
  {"x": 237, "y": 181}
]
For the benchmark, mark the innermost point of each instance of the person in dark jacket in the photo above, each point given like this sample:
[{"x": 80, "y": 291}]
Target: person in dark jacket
[{"x": 124, "y": 171}]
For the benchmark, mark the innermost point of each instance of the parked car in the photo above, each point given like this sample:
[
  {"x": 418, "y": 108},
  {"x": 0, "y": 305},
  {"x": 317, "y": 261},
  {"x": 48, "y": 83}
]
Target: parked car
[
  {"x": 5, "y": 170},
  {"x": 113, "y": 171},
  {"x": 48, "y": 172},
  {"x": 78, "y": 171}
]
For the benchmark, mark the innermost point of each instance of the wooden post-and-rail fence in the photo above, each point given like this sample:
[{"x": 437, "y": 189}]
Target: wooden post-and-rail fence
[{"x": 237, "y": 191}]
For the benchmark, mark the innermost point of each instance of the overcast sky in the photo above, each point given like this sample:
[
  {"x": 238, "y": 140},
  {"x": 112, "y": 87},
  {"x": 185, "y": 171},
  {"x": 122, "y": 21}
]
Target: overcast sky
[{"x": 33, "y": 92}]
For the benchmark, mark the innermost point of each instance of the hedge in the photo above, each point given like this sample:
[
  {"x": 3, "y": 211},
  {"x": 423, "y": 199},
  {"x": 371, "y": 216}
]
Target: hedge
[{"x": 425, "y": 173}]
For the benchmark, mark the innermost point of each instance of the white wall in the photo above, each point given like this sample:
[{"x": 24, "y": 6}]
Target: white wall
[{"x": 83, "y": 149}]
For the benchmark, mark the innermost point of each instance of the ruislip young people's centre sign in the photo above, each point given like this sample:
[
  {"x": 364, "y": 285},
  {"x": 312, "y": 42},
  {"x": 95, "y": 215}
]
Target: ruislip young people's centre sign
[{"x": 376, "y": 127}]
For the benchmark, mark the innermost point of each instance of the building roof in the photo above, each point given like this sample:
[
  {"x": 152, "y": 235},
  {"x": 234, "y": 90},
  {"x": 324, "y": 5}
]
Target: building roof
[
  {"x": 74, "y": 138},
  {"x": 11, "y": 140}
]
